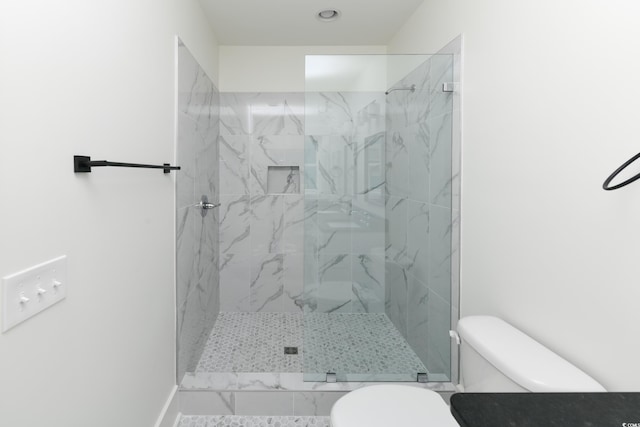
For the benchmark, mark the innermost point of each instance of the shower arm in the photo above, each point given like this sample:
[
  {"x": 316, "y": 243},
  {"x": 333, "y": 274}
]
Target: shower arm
[{"x": 411, "y": 88}]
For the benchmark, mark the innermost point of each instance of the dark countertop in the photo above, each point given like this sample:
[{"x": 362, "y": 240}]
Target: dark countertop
[{"x": 546, "y": 409}]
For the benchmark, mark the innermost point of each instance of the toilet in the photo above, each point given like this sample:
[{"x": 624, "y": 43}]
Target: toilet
[{"x": 494, "y": 357}]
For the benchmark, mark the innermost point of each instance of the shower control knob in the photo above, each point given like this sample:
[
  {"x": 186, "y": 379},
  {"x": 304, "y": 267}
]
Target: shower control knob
[
  {"x": 204, "y": 205},
  {"x": 209, "y": 205}
]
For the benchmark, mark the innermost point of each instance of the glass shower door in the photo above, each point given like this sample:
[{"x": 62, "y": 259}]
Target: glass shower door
[{"x": 378, "y": 218}]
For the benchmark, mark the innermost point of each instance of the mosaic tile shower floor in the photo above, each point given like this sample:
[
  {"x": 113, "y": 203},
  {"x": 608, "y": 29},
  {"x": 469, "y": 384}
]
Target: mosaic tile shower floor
[
  {"x": 247, "y": 421},
  {"x": 335, "y": 342}
]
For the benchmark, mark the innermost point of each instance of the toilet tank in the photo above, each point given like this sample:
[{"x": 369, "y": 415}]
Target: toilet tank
[{"x": 496, "y": 357}]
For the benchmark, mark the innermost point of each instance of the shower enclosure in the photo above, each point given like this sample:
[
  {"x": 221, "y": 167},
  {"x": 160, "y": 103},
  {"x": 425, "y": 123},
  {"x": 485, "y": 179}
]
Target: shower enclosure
[
  {"x": 379, "y": 217},
  {"x": 335, "y": 256}
]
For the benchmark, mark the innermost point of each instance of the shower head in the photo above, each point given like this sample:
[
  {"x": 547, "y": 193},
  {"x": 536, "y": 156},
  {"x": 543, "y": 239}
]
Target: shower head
[{"x": 411, "y": 88}]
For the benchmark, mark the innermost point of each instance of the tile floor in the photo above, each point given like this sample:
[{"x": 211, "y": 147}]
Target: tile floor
[
  {"x": 251, "y": 421},
  {"x": 335, "y": 342}
]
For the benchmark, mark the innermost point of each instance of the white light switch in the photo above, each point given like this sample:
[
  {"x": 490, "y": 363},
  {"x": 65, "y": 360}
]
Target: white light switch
[{"x": 28, "y": 292}]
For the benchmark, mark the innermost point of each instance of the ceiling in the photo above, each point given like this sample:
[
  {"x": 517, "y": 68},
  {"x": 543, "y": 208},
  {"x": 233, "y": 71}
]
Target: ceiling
[{"x": 294, "y": 22}]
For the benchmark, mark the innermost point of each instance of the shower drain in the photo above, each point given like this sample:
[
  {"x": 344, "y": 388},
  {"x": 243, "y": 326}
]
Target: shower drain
[{"x": 291, "y": 350}]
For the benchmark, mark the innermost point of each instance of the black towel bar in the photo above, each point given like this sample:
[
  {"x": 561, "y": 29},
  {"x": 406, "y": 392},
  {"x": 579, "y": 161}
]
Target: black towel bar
[{"x": 84, "y": 164}]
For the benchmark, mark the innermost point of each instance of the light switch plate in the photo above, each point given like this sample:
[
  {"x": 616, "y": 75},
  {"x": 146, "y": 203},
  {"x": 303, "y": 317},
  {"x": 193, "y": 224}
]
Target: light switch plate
[{"x": 28, "y": 292}]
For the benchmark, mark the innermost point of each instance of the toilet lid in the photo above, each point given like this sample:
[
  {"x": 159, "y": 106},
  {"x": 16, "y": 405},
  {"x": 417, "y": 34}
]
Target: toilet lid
[{"x": 391, "y": 405}]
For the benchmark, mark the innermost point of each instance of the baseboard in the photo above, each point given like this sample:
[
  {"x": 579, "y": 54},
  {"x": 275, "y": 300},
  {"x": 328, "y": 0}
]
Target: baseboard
[{"x": 170, "y": 414}]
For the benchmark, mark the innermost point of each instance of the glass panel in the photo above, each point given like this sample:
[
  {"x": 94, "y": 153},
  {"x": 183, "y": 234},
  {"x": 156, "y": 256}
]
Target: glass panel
[{"x": 377, "y": 276}]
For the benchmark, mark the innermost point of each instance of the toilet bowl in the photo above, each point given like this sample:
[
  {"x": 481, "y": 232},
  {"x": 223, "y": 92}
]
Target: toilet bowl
[
  {"x": 494, "y": 357},
  {"x": 391, "y": 405}
]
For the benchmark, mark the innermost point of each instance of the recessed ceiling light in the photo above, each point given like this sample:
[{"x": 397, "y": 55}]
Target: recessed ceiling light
[{"x": 327, "y": 15}]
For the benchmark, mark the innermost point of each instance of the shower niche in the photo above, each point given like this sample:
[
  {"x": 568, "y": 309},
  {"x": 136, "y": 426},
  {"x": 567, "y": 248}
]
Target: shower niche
[{"x": 283, "y": 180}]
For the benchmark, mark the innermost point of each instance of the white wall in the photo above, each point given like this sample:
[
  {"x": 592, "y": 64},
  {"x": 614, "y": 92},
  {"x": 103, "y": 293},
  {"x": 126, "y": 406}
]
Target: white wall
[
  {"x": 93, "y": 78},
  {"x": 551, "y": 102},
  {"x": 274, "y": 68}
]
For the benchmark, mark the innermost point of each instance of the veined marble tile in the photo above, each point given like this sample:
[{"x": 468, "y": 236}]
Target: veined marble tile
[
  {"x": 397, "y": 164},
  {"x": 235, "y": 224},
  {"x": 235, "y": 113},
  {"x": 186, "y": 158},
  {"x": 206, "y": 269},
  {"x": 395, "y": 118},
  {"x": 396, "y": 229},
  {"x": 207, "y": 117},
  {"x": 235, "y": 280},
  {"x": 265, "y": 151},
  {"x": 261, "y": 381},
  {"x": 264, "y": 403},
  {"x": 194, "y": 86},
  {"x": 234, "y": 164},
  {"x": 188, "y": 78},
  {"x": 277, "y": 150},
  {"x": 371, "y": 118},
  {"x": 293, "y": 114},
  {"x": 334, "y": 283},
  {"x": 368, "y": 215},
  {"x": 440, "y": 252},
  {"x": 267, "y": 114},
  {"x": 369, "y": 237},
  {"x": 207, "y": 172},
  {"x": 328, "y": 113},
  {"x": 438, "y": 342},
  {"x": 405, "y": 107},
  {"x": 267, "y": 224},
  {"x": 396, "y": 291},
  {"x": 211, "y": 236},
  {"x": 194, "y": 330},
  {"x": 293, "y": 299},
  {"x": 309, "y": 299},
  {"x": 310, "y": 225},
  {"x": 418, "y": 318},
  {"x": 205, "y": 403},
  {"x": 315, "y": 403},
  {"x": 310, "y": 171},
  {"x": 418, "y": 239},
  {"x": 335, "y": 165},
  {"x": 185, "y": 246},
  {"x": 294, "y": 223},
  {"x": 418, "y": 103},
  {"x": 209, "y": 380},
  {"x": 455, "y": 261},
  {"x": 440, "y": 171},
  {"x": 267, "y": 284},
  {"x": 368, "y": 284},
  {"x": 335, "y": 223},
  {"x": 418, "y": 141},
  {"x": 415, "y": 104},
  {"x": 369, "y": 161}
]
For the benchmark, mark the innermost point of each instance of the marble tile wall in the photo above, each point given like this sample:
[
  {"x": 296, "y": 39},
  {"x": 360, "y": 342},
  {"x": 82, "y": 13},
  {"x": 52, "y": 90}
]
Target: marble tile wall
[
  {"x": 197, "y": 282},
  {"x": 329, "y": 217},
  {"x": 344, "y": 202},
  {"x": 262, "y": 213},
  {"x": 419, "y": 215}
]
